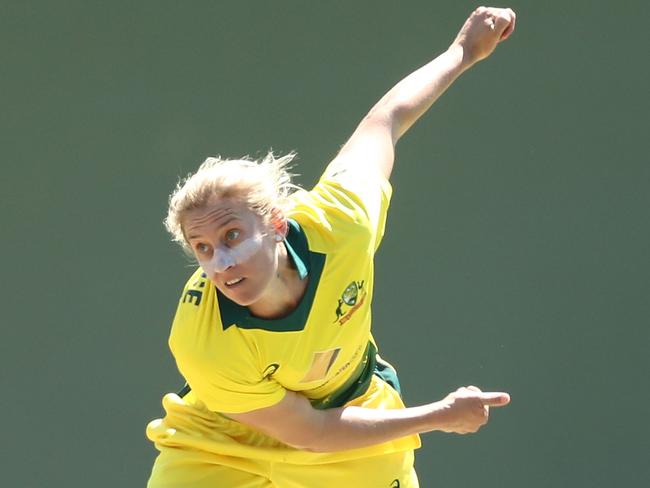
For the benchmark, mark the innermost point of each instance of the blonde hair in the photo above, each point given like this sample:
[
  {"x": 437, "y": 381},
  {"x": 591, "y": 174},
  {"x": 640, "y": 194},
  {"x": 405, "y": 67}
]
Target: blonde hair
[{"x": 261, "y": 184}]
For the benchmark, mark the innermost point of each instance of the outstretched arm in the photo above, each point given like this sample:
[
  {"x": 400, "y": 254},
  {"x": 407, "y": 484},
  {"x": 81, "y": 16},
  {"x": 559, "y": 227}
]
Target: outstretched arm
[
  {"x": 373, "y": 141},
  {"x": 295, "y": 422}
]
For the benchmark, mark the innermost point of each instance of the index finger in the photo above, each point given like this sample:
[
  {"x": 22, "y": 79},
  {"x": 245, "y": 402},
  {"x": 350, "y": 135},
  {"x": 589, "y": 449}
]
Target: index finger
[{"x": 494, "y": 398}]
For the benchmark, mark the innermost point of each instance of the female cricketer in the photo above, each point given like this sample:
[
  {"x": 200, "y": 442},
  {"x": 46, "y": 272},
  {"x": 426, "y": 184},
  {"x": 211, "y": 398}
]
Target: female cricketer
[{"x": 272, "y": 332}]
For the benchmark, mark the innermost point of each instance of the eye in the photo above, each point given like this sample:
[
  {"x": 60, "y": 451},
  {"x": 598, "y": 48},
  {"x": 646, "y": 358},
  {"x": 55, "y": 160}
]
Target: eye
[
  {"x": 202, "y": 248},
  {"x": 232, "y": 235}
]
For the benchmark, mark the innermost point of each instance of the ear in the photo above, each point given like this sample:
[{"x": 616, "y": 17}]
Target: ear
[{"x": 279, "y": 222}]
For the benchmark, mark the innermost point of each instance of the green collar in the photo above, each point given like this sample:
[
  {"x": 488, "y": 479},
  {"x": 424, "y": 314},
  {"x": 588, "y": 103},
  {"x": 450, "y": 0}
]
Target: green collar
[
  {"x": 307, "y": 263},
  {"x": 303, "y": 249}
]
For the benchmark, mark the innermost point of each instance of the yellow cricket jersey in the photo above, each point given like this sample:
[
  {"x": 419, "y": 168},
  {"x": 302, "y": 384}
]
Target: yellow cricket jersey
[{"x": 235, "y": 362}]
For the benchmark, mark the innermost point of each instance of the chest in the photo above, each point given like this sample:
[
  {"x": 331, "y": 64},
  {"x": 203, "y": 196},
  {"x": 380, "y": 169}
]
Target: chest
[{"x": 332, "y": 341}]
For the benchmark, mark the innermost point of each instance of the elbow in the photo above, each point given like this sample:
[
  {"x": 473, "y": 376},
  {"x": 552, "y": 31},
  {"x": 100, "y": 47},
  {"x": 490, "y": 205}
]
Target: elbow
[
  {"x": 310, "y": 440},
  {"x": 316, "y": 447},
  {"x": 403, "y": 119},
  {"x": 385, "y": 118},
  {"x": 318, "y": 450},
  {"x": 306, "y": 442},
  {"x": 399, "y": 110}
]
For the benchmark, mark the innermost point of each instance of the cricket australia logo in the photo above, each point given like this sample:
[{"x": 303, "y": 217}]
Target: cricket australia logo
[{"x": 352, "y": 298}]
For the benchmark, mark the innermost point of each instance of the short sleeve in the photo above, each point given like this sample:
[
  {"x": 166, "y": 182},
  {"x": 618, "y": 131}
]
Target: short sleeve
[
  {"x": 347, "y": 202},
  {"x": 230, "y": 390}
]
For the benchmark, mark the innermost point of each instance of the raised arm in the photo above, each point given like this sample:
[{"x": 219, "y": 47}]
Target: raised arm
[
  {"x": 373, "y": 141},
  {"x": 293, "y": 420}
]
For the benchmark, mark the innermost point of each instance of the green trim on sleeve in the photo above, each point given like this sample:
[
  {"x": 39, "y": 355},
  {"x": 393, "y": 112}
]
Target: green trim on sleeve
[{"x": 387, "y": 373}]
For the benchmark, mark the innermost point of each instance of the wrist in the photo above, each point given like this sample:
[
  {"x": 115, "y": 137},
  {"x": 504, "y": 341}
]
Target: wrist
[
  {"x": 463, "y": 55},
  {"x": 438, "y": 415}
]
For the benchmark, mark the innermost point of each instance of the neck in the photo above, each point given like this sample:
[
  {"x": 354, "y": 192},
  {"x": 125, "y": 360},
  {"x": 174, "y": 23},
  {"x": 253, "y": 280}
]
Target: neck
[{"x": 285, "y": 291}]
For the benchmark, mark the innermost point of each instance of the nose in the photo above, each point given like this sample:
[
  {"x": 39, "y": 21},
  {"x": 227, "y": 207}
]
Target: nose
[{"x": 222, "y": 261}]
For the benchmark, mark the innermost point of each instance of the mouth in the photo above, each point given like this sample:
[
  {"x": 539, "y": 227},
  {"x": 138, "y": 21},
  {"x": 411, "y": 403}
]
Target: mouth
[{"x": 234, "y": 282}]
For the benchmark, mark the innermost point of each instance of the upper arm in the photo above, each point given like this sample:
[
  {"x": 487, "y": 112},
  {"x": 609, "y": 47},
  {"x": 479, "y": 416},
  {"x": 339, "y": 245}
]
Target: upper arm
[
  {"x": 292, "y": 420},
  {"x": 371, "y": 146},
  {"x": 353, "y": 194}
]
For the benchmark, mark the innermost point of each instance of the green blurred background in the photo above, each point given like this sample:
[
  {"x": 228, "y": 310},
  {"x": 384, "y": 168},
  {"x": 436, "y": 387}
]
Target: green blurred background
[{"x": 516, "y": 255}]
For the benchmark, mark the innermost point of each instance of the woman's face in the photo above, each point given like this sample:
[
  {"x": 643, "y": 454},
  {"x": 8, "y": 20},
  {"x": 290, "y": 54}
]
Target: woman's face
[{"x": 235, "y": 248}]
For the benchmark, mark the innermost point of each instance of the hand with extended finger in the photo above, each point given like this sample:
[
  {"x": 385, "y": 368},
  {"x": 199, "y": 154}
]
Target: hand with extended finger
[
  {"x": 467, "y": 409},
  {"x": 483, "y": 30}
]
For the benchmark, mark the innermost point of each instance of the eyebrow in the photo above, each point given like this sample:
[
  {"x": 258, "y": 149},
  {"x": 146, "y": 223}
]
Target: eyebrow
[{"x": 195, "y": 236}]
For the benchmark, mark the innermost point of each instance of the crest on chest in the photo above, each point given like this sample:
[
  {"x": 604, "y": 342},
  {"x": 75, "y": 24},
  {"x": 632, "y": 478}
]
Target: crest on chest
[{"x": 350, "y": 301}]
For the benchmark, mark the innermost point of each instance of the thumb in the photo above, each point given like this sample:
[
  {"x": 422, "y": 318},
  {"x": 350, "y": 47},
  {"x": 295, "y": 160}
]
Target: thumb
[{"x": 494, "y": 399}]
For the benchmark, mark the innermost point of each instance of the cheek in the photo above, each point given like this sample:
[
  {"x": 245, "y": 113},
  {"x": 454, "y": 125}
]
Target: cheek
[
  {"x": 264, "y": 261},
  {"x": 247, "y": 250}
]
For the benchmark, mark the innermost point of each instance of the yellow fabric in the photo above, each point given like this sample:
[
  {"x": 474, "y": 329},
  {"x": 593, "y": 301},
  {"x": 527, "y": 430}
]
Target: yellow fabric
[
  {"x": 343, "y": 218},
  {"x": 201, "y": 448},
  {"x": 176, "y": 468},
  {"x": 188, "y": 423},
  {"x": 235, "y": 369}
]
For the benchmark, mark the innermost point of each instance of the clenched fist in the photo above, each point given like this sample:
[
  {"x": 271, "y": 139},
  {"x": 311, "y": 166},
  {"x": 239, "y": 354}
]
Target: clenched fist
[{"x": 483, "y": 30}]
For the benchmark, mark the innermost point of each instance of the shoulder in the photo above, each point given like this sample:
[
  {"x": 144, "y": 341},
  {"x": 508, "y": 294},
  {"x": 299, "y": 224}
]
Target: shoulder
[
  {"x": 196, "y": 314},
  {"x": 347, "y": 206},
  {"x": 194, "y": 289},
  {"x": 200, "y": 326}
]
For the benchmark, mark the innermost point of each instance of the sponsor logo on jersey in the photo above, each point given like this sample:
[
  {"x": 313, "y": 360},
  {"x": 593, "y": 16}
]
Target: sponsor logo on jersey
[
  {"x": 194, "y": 294},
  {"x": 395, "y": 484},
  {"x": 321, "y": 364},
  {"x": 351, "y": 300}
]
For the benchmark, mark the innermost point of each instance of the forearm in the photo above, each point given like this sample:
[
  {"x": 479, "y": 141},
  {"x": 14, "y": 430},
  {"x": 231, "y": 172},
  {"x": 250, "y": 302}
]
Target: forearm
[
  {"x": 409, "y": 99},
  {"x": 374, "y": 139},
  {"x": 356, "y": 427},
  {"x": 413, "y": 96},
  {"x": 463, "y": 411},
  {"x": 295, "y": 422}
]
